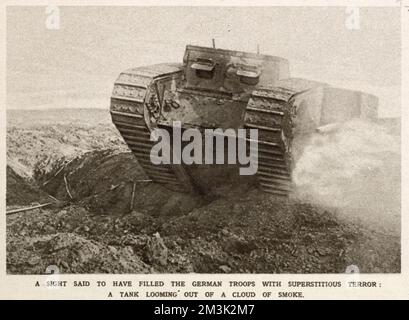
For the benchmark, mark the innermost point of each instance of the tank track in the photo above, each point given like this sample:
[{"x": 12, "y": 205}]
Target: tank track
[
  {"x": 268, "y": 112},
  {"x": 131, "y": 103}
]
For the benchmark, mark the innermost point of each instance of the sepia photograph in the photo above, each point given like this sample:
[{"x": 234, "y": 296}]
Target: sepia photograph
[{"x": 203, "y": 140}]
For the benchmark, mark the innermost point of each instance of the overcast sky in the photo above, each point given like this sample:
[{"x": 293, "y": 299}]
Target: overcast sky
[{"x": 76, "y": 65}]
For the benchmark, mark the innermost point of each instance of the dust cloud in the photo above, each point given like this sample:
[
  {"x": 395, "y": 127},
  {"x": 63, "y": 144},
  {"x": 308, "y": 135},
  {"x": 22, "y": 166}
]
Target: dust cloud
[{"x": 355, "y": 168}]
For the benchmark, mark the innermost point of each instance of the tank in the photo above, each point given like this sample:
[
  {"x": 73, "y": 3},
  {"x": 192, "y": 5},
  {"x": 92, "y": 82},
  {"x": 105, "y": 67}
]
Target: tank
[{"x": 226, "y": 89}]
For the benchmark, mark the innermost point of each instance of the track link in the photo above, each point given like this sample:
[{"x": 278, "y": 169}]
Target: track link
[{"x": 268, "y": 115}]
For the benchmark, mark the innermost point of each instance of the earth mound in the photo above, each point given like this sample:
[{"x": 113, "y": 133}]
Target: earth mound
[{"x": 109, "y": 218}]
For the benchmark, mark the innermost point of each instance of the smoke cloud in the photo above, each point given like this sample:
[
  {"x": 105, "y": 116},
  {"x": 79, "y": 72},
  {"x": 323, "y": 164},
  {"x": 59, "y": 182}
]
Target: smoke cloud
[{"x": 354, "y": 167}]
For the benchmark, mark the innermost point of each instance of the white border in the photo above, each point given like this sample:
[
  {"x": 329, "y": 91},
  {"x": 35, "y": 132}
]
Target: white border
[{"x": 393, "y": 285}]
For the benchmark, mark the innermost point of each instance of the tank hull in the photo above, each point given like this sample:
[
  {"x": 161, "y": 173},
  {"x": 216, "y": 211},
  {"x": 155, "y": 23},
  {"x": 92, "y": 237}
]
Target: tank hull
[{"x": 259, "y": 96}]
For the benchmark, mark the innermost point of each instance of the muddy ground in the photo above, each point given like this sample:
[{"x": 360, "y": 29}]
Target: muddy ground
[{"x": 104, "y": 216}]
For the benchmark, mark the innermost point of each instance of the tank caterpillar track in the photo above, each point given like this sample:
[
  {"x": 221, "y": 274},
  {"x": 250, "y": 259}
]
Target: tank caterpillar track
[
  {"x": 268, "y": 112},
  {"x": 135, "y": 99}
]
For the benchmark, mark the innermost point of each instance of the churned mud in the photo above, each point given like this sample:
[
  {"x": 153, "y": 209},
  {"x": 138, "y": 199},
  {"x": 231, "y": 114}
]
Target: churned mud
[{"x": 105, "y": 216}]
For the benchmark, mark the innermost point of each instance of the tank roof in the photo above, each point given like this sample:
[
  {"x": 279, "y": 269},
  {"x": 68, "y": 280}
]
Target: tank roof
[{"x": 234, "y": 53}]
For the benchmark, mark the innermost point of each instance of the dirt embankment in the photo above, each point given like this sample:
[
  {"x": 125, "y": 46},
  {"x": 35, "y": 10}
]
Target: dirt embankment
[
  {"x": 243, "y": 233},
  {"x": 111, "y": 220},
  {"x": 38, "y": 141},
  {"x": 22, "y": 192}
]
